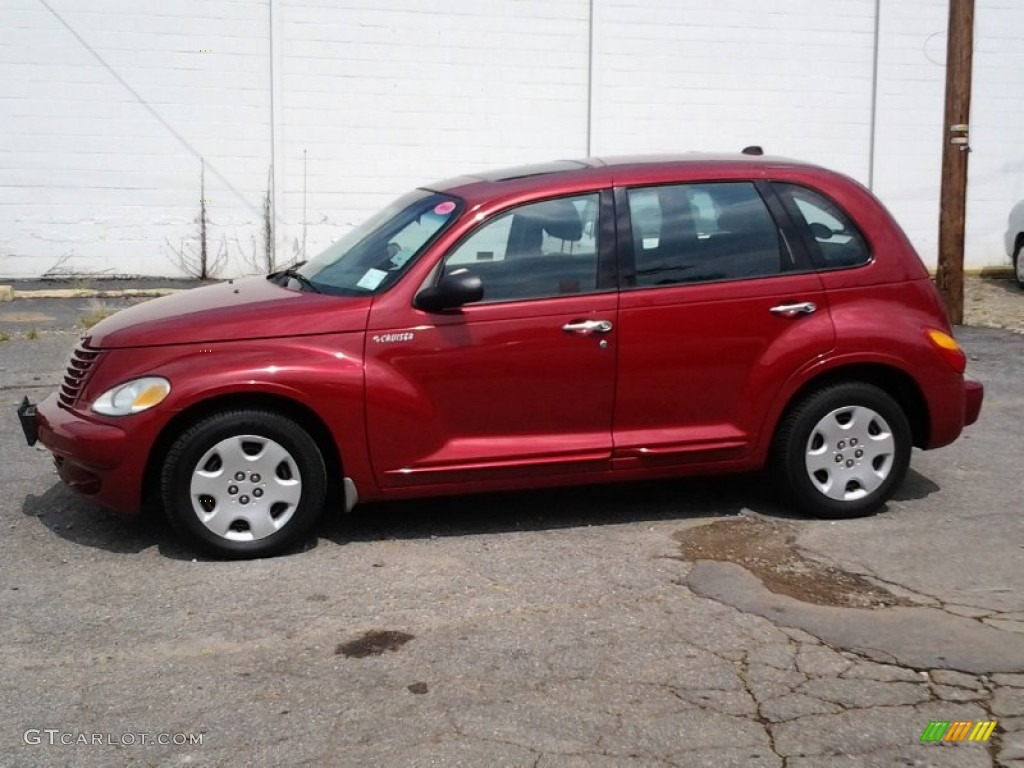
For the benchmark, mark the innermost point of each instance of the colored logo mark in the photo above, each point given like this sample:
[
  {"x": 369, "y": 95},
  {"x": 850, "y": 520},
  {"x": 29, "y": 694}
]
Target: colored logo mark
[{"x": 958, "y": 730}]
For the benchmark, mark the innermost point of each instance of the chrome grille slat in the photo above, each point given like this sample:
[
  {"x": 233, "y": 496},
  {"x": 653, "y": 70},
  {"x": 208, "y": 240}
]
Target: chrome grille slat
[{"x": 79, "y": 367}]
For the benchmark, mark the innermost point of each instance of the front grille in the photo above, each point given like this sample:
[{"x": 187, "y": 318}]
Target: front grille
[{"x": 79, "y": 367}]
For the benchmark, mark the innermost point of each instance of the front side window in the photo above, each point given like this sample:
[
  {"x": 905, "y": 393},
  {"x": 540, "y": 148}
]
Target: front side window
[
  {"x": 690, "y": 233},
  {"x": 372, "y": 257},
  {"x": 830, "y": 234},
  {"x": 534, "y": 251}
]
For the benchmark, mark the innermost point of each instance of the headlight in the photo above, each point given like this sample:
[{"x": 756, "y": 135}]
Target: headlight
[{"x": 132, "y": 396}]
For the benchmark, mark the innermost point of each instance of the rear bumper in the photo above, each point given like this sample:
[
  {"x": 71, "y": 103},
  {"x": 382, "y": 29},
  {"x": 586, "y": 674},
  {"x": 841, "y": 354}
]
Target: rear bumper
[{"x": 974, "y": 394}]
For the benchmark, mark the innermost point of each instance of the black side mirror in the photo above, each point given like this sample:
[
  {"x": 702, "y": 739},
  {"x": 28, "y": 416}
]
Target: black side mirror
[{"x": 451, "y": 292}]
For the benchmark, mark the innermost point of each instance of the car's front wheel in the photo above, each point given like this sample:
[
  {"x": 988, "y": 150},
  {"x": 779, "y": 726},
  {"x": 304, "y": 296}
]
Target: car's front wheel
[
  {"x": 843, "y": 450},
  {"x": 246, "y": 483}
]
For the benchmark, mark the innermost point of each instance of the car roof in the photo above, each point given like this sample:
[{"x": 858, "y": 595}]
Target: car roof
[{"x": 627, "y": 170}]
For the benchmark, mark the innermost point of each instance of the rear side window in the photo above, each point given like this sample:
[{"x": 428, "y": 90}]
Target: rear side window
[
  {"x": 830, "y": 234},
  {"x": 691, "y": 233}
]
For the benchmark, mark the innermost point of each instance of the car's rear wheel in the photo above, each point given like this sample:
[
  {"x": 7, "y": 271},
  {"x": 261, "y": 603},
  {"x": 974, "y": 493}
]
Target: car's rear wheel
[
  {"x": 843, "y": 450},
  {"x": 247, "y": 483}
]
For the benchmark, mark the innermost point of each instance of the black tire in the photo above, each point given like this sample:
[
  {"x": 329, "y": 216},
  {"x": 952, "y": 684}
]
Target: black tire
[
  {"x": 1018, "y": 262},
  {"x": 834, "y": 470},
  {"x": 244, "y": 484}
]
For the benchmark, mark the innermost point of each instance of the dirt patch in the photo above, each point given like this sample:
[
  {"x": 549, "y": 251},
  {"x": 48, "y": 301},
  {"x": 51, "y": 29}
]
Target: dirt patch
[
  {"x": 373, "y": 643},
  {"x": 993, "y": 304},
  {"x": 768, "y": 550},
  {"x": 25, "y": 317}
]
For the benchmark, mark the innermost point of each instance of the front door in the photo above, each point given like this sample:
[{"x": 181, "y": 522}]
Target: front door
[{"x": 519, "y": 384}]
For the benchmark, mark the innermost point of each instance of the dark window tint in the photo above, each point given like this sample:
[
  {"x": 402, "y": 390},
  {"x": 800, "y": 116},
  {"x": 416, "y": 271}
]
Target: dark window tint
[
  {"x": 691, "y": 233},
  {"x": 830, "y": 234},
  {"x": 534, "y": 251}
]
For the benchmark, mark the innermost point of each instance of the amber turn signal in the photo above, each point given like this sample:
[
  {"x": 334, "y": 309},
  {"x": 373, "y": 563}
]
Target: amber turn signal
[{"x": 949, "y": 349}]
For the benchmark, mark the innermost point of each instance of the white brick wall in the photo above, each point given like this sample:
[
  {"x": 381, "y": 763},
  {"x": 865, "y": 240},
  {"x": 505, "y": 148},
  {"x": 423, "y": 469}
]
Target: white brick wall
[
  {"x": 911, "y": 100},
  {"x": 996, "y": 169},
  {"x": 680, "y": 75},
  {"x": 90, "y": 178},
  {"x": 383, "y": 95},
  {"x": 377, "y": 96}
]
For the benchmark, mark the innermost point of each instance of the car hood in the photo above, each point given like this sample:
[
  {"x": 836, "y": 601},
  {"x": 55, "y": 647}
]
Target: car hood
[{"x": 250, "y": 308}]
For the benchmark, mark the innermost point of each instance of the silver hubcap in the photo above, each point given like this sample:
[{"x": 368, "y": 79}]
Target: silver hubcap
[
  {"x": 850, "y": 453},
  {"x": 245, "y": 488}
]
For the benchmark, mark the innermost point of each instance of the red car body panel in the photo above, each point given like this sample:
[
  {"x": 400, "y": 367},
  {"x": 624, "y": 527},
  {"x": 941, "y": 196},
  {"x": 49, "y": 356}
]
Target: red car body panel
[
  {"x": 697, "y": 396},
  {"x": 250, "y": 308},
  {"x": 690, "y": 379},
  {"x": 496, "y": 390}
]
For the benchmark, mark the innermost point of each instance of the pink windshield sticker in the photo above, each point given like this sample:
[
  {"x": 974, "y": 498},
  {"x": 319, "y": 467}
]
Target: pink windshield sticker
[{"x": 443, "y": 209}]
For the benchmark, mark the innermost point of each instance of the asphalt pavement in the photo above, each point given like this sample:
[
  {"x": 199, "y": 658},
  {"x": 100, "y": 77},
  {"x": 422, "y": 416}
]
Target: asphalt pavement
[{"x": 687, "y": 623}]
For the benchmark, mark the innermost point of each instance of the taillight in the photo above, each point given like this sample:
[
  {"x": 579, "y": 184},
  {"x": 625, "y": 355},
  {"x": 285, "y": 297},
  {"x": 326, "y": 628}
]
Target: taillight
[{"x": 949, "y": 349}]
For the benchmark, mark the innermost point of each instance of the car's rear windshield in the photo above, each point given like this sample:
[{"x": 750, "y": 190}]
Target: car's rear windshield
[{"x": 372, "y": 257}]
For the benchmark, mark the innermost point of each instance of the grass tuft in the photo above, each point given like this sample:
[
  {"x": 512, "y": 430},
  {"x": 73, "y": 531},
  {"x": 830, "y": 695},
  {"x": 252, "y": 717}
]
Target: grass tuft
[{"x": 97, "y": 311}]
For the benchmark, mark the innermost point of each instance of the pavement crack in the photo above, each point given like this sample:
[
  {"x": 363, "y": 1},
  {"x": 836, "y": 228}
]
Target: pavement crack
[
  {"x": 994, "y": 745},
  {"x": 743, "y": 672}
]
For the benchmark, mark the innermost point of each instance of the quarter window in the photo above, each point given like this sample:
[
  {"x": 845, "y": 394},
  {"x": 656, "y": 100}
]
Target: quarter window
[
  {"x": 534, "y": 251},
  {"x": 833, "y": 239},
  {"x": 691, "y": 233}
]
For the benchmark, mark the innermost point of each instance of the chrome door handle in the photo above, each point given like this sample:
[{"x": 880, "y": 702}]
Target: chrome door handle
[
  {"x": 792, "y": 310},
  {"x": 587, "y": 327}
]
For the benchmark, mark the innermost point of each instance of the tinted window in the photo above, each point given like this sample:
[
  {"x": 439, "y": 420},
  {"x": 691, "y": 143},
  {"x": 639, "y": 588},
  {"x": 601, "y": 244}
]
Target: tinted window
[
  {"x": 691, "y": 233},
  {"x": 534, "y": 251},
  {"x": 831, "y": 236}
]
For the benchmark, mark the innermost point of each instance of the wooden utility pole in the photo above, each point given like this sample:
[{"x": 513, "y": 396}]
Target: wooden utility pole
[{"x": 955, "y": 149}]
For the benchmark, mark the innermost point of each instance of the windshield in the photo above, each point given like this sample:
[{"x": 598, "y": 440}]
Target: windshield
[{"x": 376, "y": 253}]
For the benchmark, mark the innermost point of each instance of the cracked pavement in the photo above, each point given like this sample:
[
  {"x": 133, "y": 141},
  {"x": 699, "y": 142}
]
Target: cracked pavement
[{"x": 617, "y": 626}]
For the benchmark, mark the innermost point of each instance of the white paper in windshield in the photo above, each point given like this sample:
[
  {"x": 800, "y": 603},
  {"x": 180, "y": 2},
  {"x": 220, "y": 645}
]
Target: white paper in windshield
[{"x": 372, "y": 279}]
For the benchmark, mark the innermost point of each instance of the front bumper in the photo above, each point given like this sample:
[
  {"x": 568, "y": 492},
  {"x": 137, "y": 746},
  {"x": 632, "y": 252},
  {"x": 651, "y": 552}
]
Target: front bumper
[
  {"x": 95, "y": 459},
  {"x": 27, "y": 417}
]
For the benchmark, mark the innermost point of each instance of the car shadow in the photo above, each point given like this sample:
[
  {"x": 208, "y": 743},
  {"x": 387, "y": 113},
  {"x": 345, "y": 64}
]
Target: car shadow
[
  {"x": 78, "y": 521},
  {"x": 915, "y": 487},
  {"x": 550, "y": 509}
]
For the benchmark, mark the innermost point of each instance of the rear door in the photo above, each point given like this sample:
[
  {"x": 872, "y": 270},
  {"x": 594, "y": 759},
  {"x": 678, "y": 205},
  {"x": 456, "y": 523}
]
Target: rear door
[{"x": 719, "y": 310}]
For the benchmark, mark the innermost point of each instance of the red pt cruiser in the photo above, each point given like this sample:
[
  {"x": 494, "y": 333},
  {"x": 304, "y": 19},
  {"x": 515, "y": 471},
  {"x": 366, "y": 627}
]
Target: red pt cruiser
[{"x": 570, "y": 323}]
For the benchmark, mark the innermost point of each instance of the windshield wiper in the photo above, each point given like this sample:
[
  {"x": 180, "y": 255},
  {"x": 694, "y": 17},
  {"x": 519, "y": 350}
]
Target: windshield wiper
[{"x": 293, "y": 273}]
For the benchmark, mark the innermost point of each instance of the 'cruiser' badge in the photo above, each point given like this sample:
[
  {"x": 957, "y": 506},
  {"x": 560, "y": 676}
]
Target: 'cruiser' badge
[{"x": 391, "y": 338}]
